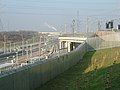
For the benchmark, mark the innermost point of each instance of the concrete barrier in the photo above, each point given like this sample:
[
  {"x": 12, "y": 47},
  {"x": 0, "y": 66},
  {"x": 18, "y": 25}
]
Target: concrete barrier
[{"x": 33, "y": 76}]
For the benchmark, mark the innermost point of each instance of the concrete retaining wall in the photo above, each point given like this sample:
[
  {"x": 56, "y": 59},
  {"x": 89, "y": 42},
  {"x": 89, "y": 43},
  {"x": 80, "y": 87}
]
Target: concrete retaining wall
[{"x": 34, "y": 75}]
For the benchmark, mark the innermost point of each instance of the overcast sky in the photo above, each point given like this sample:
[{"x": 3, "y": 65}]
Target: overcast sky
[{"x": 41, "y": 15}]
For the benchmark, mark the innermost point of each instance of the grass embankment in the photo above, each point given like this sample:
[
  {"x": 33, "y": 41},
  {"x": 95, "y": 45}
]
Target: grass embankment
[{"x": 99, "y": 70}]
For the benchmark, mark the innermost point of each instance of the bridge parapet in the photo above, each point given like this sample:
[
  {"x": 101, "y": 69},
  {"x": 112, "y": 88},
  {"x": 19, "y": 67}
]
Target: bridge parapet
[{"x": 71, "y": 41}]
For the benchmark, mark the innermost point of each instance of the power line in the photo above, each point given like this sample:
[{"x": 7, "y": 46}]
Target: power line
[
  {"x": 66, "y": 2},
  {"x": 54, "y": 14},
  {"x": 55, "y": 8}
]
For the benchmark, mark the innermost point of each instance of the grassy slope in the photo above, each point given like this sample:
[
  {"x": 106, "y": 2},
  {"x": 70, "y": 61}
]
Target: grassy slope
[{"x": 99, "y": 70}]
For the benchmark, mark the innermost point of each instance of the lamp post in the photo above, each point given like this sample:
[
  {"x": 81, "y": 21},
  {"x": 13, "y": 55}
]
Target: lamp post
[
  {"x": 4, "y": 47},
  {"x": 22, "y": 43},
  {"x": 16, "y": 57},
  {"x": 27, "y": 49},
  {"x": 33, "y": 39},
  {"x": 4, "y": 44},
  {"x": 40, "y": 47},
  {"x": 10, "y": 47},
  {"x": 87, "y": 25},
  {"x": 14, "y": 47},
  {"x": 31, "y": 50},
  {"x": 73, "y": 26}
]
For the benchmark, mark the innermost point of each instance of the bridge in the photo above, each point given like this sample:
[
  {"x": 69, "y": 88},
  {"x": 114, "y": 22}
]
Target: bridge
[{"x": 72, "y": 41}]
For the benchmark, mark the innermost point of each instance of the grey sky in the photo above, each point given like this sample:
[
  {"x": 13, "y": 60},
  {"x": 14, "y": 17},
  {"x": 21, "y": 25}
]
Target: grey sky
[{"x": 33, "y": 14}]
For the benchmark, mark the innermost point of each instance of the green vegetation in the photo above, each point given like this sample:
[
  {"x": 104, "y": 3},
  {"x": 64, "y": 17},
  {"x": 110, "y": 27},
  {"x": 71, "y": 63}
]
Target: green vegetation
[{"x": 99, "y": 70}]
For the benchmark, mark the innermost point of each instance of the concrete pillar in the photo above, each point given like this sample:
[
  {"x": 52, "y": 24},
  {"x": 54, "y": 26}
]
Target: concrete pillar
[
  {"x": 68, "y": 46},
  {"x": 60, "y": 46},
  {"x": 65, "y": 44}
]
